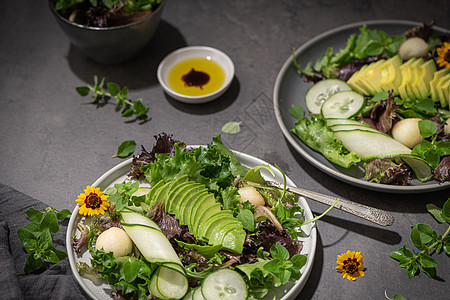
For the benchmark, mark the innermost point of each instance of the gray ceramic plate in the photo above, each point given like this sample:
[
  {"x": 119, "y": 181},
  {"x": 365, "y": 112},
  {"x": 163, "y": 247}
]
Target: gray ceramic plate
[{"x": 290, "y": 90}]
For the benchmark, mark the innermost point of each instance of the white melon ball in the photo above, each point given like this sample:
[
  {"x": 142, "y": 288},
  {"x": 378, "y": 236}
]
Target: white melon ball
[
  {"x": 114, "y": 240},
  {"x": 447, "y": 126},
  {"x": 413, "y": 47},
  {"x": 249, "y": 193},
  {"x": 407, "y": 132}
]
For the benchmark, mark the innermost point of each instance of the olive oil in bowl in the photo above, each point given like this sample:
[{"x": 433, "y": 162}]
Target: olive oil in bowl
[{"x": 197, "y": 76}]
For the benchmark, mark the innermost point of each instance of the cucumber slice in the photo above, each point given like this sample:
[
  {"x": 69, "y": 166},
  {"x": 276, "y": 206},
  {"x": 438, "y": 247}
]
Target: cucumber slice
[
  {"x": 343, "y": 127},
  {"x": 169, "y": 281},
  {"x": 321, "y": 91},
  {"x": 331, "y": 122},
  {"x": 197, "y": 294},
  {"x": 224, "y": 284},
  {"x": 343, "y": 105},
  {"x": 369, "y": 145}
]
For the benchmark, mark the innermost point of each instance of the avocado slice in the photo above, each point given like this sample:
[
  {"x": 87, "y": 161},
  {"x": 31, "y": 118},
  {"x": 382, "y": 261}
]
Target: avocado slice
[
  {"x": 428, "y": 69},
  {"x": 356, "y": 84},
  {"x": 434, "y": 83},
  {"x": 218, "y": 234},
  {"x": 443, "y": 90},
  {"x": 369, "y": 90},
  {"x": 175, "y": 193},
  {"x": 203, "y": 228},
  {"x": 234, "y": 240},
  {"x": 150, "y": 195},
  {"x": 217, "y": 225},
  {"x": 372, "y": 76},
  {"x": 198, "y": 210},
  {"x": 178, "y": 198},
  {"x": 165, "y": 190},
  {"x": 157, "y": 197},
  {"x": 404, "y": 87},
  {"x": 187, "y": 215},
  {"x": 205, "y": 215},
  {"x": 416, "y": 85},
  {"x": 390, "y": 78},
  {"x": 179, "y": 214}
]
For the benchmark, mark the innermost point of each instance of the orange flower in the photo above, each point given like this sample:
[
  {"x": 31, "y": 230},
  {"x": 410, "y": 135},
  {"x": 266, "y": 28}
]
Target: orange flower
[
  {"x": 443, "y": 55},
  {"x": 351, "y": 265},
  {"x": 92, "y": 202}
]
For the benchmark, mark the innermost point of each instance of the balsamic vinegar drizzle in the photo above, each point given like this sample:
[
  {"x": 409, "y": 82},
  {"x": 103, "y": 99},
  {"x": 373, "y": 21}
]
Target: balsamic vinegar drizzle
[{"x": 196, "y": 78}]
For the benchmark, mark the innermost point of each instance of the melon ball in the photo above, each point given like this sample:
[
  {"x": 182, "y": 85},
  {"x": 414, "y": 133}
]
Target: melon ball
[
  {"x": 407, "y": 132},
  {"x": 114, "y": 240},
  {"x": 249, "y": 193},
  {"x": 447, "y": 126},
  {"x": 413, "y": 47}
]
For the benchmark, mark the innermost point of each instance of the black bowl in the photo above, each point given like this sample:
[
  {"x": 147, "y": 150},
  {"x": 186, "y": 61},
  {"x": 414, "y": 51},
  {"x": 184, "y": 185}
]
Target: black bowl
[{"x": 111, "y": 44}]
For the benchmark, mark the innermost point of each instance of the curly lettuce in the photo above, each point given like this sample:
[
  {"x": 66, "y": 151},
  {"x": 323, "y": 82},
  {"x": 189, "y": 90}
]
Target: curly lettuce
[{"x": 319, "y": 137}]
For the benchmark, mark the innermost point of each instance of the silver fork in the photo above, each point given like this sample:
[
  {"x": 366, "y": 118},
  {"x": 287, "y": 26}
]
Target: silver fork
[{"x": 372, "y": 214}]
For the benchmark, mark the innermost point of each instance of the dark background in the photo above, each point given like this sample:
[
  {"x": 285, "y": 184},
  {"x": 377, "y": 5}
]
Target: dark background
[{"x": 53, "y": 142}]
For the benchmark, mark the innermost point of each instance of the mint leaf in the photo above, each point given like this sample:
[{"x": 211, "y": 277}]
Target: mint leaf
[
  {"x": 83, "y": 90},
  {"x": 246, "y": 217},
  {"x": 279, "y": 252},
  {"x": 50, "y": 221},
  {"x": 125, "y": 149},
  {"x": 34, "y": 215},
  {"x": 32, "y": 264},
  {"x": 113, "y": 88},
  {"x": 61, "y": 215},
  {"x": 446, "y": 210},
  {"x": 427, "y": 128},
  {"x": 436, "y": 212}
]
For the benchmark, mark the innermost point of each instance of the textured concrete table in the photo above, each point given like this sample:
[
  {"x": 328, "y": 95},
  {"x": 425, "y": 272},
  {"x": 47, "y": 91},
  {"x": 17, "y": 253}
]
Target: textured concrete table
[{"x": 53, "y": 143}]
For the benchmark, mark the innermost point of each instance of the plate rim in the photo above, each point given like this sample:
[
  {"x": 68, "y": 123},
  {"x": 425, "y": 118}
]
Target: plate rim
[
  {"x": 294, "y": 290},
  {"x": 334, "y": 173}
]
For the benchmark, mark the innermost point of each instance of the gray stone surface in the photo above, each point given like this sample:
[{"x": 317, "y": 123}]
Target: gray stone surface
[{"x": 53, "y": 143}]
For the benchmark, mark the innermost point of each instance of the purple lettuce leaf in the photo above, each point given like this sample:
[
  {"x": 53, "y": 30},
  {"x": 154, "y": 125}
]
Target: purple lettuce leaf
[
  {"x": 164, "y": 144},
  {"x": 442, "y": 171},
  {"x": 382, "y": 115},
  {"x": 388, "y": 171}
]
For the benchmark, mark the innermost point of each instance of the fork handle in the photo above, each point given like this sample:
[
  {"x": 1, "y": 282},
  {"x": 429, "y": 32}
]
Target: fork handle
[{"x": 372, "y": 214}]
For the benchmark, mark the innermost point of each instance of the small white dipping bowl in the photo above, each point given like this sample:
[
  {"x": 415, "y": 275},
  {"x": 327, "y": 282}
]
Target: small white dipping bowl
[{"x": 191, "y": 52}]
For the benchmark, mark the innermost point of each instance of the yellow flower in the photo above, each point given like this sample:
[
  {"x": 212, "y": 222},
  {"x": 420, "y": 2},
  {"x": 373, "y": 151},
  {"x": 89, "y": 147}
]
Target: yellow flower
[
  {"x": 351, "y": 265},
  {"x": 92, "y": 202},
  {"x": 443, "y": 55}
]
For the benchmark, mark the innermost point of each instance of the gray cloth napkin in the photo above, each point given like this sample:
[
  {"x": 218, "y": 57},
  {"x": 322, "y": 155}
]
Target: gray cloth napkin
[{"x": 54, "y": 281}]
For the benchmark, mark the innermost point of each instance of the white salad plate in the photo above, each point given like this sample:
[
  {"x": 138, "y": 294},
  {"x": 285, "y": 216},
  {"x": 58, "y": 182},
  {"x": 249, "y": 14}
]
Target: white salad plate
[
  {"x": 100, "y": 289},
  {"x": 195, "y": 52},
  {"x": 290, "y": 89}
]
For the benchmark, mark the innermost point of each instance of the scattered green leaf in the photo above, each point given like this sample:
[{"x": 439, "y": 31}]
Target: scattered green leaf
[
  {"x": 126, "y": 149},
  {"x": 232, "y": 127}
]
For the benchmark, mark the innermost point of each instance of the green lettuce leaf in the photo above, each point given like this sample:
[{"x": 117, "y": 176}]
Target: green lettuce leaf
[{"x": 319, "y": 137}]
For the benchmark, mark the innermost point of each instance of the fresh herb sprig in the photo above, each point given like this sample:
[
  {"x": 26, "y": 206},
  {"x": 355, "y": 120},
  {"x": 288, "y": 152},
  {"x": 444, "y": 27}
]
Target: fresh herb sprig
[
  {"x": 37, "y": 237},
  {"x": 431, "y": 151},
  {"x": 127, "y": 107},
  {"x": 427, "y": 241},
  {"x": 122, "y": 194}
]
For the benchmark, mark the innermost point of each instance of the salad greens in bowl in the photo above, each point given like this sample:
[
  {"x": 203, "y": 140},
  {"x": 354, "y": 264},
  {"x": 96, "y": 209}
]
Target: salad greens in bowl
[
  {"x": 368, "y": 103},
  {"x": 194, "y": 222}
]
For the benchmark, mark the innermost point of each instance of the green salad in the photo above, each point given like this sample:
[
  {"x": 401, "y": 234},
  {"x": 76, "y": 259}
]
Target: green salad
[
  {"x": 207, "y": 228},
  {"x": 382, "y": 102}
]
